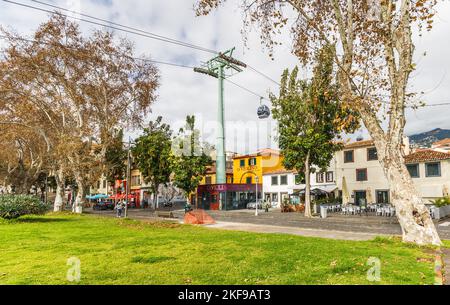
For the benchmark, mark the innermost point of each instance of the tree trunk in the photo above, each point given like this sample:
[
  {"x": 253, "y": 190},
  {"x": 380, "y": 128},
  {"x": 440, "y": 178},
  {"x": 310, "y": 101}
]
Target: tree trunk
[
  {"x": 23, "y": 188},
  {"x": 308, "y": 213},
  {"x": 155, "y": 199},
  {"x": 60, "y": 191},
  {"x": 412, "y": 213},
  {"x": 79, "y": 200}
]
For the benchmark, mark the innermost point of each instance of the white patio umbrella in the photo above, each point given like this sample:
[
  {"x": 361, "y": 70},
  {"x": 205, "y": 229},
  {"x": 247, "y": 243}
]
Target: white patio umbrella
[{"x": 345, "y": 193}]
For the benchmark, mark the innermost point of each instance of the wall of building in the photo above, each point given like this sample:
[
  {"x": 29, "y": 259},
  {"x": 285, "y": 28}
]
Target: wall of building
[
  {"x": 264, "y": 163},
  {"x": 432, "y": 188},
  {"x": 376, "y": 180},
  {"x": 101, "y": 187},
  {"x": 292, "y": 187}
]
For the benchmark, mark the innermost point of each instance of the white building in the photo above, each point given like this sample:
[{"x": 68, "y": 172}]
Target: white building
[
  {"x": 360, "y": 177},
  {"x": 430, "y": 171},
  {"x": 101, "y": 187},
  {"x": 281, "y": 185}
]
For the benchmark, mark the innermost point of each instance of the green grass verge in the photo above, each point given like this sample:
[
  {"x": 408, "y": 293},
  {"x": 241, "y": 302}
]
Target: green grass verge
[{"x": 35, "y": 250}]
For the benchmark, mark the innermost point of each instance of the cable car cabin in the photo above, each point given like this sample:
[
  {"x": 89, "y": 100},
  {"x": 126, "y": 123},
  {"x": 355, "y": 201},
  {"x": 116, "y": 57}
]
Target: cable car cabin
[{"x": 263, "y": 112}]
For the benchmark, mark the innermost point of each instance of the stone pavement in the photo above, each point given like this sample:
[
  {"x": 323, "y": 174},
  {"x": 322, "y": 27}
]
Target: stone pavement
[
  {"x": 330, "y": 234},
  {"x": 356, "y": 226}
]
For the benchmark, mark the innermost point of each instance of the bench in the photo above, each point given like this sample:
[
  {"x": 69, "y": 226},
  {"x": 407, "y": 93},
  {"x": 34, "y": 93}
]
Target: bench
[{"x": 165, "y": 214}]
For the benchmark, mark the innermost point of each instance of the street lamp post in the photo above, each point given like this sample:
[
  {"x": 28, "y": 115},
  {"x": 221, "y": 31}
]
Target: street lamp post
[{"x": 257, "y": 181}]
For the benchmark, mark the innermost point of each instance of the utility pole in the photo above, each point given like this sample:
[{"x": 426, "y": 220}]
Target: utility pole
[
  {"x": 221, "y": 67},
  {"x": 128, "y": 178}
]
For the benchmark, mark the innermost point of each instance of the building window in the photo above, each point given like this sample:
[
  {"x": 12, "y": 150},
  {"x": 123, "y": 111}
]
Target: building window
[
  {"x": 208, "y": 180},
  {"x": 372, "y": 154},
  {"x": 349, "y": 156},
  {"x": 361, "y": 175},
  {"x": 242, "y": 163},
  {"x": 98, "y": 184},
  {"x": 252, "y": 162},
  {"x": 330, "y": 177},
  {"x": 284, "y": 180},
  {"x": 104, "y": 184},
  {"x": 433, "y": 169},
  {"x": 382, "y": 197},
  {"x": 275, "y": 180},
  {"x": 274, "y": 197},
  {"x": 249, "y": 180},
  {"x": 320, "y": 177},
  {"x": 136, "y": 180},
  {"x": 413, "y": 170}
]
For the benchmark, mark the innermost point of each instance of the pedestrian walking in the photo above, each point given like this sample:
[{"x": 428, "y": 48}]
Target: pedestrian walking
[{"x": 119, "y": 208}]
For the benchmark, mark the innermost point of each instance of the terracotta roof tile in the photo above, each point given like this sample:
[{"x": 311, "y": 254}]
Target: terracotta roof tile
[
  {"x": 280, "y": 172},
  {"x": 426, "y": 156},
  {"x": 442, "y": 142}
]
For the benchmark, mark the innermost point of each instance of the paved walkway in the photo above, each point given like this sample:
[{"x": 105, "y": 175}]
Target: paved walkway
[
  {"x": 360, "y": 226},
  {"x": 330, "y": 234}
]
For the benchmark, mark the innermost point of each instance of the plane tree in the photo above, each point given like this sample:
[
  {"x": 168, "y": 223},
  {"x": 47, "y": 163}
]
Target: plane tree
[{"x": 375, "y": 46}]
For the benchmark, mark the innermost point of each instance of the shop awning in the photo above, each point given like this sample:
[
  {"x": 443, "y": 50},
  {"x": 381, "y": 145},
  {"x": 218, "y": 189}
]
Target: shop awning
[
  {"x": 317, "y": 191},
  {"x": 96, "y": 197}
]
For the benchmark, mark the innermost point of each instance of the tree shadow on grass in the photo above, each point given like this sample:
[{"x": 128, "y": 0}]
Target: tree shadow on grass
[
  {"x": 151, "y": 259},
  {"x": 40, "y": 220}
]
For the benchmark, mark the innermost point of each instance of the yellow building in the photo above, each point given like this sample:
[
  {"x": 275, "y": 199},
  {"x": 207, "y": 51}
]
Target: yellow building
[
  {"x": 247, "y": 168},
  {"x": 210, "y": 175}
]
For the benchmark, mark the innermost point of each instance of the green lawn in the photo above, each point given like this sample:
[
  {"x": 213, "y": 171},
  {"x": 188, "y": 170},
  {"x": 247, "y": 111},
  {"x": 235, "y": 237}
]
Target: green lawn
[{"x": 35, "y": 250}]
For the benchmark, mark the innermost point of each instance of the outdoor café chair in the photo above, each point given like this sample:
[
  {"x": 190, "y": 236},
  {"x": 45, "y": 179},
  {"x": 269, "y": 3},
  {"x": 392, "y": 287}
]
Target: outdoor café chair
[
  {"x": 393, "y": 211},
  {"x": 351, "y": 210},
  {"x": 379, "y": 211},
  {"x": 344, "y": 210}
]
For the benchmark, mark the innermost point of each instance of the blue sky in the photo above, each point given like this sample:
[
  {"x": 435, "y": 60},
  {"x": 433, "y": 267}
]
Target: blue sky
[{"x": 183, "y": 92}]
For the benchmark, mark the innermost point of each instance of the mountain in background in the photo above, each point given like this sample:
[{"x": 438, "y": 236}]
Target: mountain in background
[{"x": 426, "y": 139}]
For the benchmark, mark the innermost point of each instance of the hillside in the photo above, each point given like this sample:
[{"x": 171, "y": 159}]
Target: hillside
[{"x": 426, "y": 139}]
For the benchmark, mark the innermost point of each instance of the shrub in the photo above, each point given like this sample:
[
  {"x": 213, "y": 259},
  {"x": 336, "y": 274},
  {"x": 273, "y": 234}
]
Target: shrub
[
  {"x": 442, "y": 202},
  {"x": 14, "y": 206}
]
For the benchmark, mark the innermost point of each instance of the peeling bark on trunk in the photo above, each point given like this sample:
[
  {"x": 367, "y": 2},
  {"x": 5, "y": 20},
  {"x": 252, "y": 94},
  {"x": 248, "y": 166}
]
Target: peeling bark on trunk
[
  {"x": 308, "y": 213},
  {"x": 79, "y": 200},
  {"x": 60, "y": 191},
  {"x": 412, "y": 213}
]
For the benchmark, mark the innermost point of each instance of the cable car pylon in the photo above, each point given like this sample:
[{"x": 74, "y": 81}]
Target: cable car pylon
[{"x": 221, "y": 67}]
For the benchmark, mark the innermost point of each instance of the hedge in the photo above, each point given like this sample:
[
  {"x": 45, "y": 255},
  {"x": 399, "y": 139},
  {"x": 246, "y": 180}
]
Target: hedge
[{"x": 15, "y": 206}]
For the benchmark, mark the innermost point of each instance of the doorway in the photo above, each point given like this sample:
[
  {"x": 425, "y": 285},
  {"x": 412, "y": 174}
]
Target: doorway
[{"x": 361, "y": 198}]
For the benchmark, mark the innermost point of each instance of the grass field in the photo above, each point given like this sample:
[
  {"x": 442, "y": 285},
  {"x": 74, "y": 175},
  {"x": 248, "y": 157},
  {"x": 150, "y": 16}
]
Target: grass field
[{"x": 35, "y": 250}]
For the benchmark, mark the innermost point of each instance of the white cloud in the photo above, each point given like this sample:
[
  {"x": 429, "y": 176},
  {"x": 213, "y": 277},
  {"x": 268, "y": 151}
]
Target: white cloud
[{"x": 184, "y": 92}]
